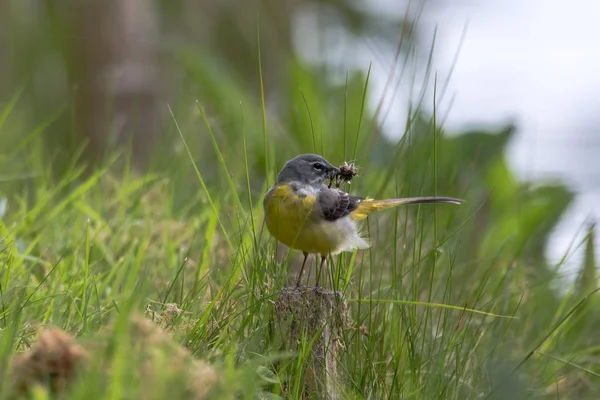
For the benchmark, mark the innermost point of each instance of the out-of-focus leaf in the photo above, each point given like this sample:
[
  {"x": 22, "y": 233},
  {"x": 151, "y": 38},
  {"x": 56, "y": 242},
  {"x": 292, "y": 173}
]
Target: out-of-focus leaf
[
  {"x": 480, "y": 147},
  {"x": 547, "y": 205},
  {"x": 502, "y": 184},
  {"x": 307, "y": 110},
  {"x": 586, "y": 282},
  {"x": 587, "y": 279},
  {"x": 267, "y": 375},
  {"x": 521, "y": 223}
]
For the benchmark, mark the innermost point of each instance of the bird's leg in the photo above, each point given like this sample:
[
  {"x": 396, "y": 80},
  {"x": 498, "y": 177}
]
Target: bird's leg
[
  {"x": 301, "y": 269},
  {"x": 323, "y": 259}
]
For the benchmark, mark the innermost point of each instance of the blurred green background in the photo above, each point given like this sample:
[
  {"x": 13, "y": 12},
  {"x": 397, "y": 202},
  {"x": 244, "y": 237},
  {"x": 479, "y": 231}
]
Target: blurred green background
[{"x": 88, "y": 146}]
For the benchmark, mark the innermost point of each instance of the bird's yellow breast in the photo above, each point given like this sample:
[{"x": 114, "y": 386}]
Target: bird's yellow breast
[{"x": 292, "y": 216}]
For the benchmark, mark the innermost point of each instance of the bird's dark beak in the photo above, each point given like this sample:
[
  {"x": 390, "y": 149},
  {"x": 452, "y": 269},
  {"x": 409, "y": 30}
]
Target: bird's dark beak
[{"x": 333, "y": 172}]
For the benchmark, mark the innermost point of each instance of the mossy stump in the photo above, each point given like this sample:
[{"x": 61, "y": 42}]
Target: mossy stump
[{"x": 313, "y": 319}]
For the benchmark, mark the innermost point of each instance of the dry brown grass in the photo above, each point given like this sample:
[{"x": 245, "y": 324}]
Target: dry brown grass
[
  {"x": 155, "y": 346},
  {"x": 56, "y": 360}
]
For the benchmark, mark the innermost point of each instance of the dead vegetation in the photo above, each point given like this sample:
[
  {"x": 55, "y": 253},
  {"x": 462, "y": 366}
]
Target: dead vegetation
[
  {"x": 320, "y": 315},
  {"x": 56, "y": 360}
]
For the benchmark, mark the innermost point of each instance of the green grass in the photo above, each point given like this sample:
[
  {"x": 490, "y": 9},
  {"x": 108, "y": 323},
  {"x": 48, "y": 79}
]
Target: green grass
[{"x": 449, "y": 303}]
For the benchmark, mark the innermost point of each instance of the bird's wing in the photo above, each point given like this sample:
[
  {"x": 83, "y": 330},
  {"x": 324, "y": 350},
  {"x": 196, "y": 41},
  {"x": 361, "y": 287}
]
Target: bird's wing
[{"x": 335, "y": 204}]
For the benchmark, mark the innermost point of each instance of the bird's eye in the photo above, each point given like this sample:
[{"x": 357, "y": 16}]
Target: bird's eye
[{"x": 318, "y": 166}]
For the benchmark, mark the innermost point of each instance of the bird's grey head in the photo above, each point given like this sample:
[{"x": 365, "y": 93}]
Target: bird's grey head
[{"x": 310, "y": 169}]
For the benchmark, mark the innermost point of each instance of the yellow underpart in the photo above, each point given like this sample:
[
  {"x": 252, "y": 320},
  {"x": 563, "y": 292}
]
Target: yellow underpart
[{"x": 295, "y": 221}]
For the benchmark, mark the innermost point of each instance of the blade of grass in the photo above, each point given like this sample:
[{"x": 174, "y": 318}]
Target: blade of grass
[
  {"x": 201, "y": 180},
  {"x": 248, "y": 187},
  {"x": 362, "y": 108},
  {"x": 572, "y": 364},
  {"x": 262, "y": 105},
  {"x": 213, "y": 140},
  {"x": 312, "y": 128},
  {"x": 433, "y": 305},
  {"x": 10, "y": 106},
  {"x": 546, "y": 336}
]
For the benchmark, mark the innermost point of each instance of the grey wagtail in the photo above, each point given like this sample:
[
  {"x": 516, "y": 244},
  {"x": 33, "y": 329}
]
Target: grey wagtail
[{"x": 305, "y": 214}]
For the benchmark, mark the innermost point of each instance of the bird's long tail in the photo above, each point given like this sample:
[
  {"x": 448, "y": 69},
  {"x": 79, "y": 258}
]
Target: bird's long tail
[{"x": 367, "y": 206}]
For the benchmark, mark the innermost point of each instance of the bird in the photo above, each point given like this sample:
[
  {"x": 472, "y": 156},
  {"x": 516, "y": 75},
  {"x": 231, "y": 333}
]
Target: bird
[{"x": 305, "y": 214}]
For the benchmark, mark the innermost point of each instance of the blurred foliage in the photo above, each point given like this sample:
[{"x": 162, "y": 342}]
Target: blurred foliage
[
  {"x": 112, "y": 65},
  {"x": 489, "y": 252}
]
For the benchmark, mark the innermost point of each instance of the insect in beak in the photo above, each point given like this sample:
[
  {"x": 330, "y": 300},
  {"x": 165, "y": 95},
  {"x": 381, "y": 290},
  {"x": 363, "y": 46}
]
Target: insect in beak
[{"x": 332, "y": 175}]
